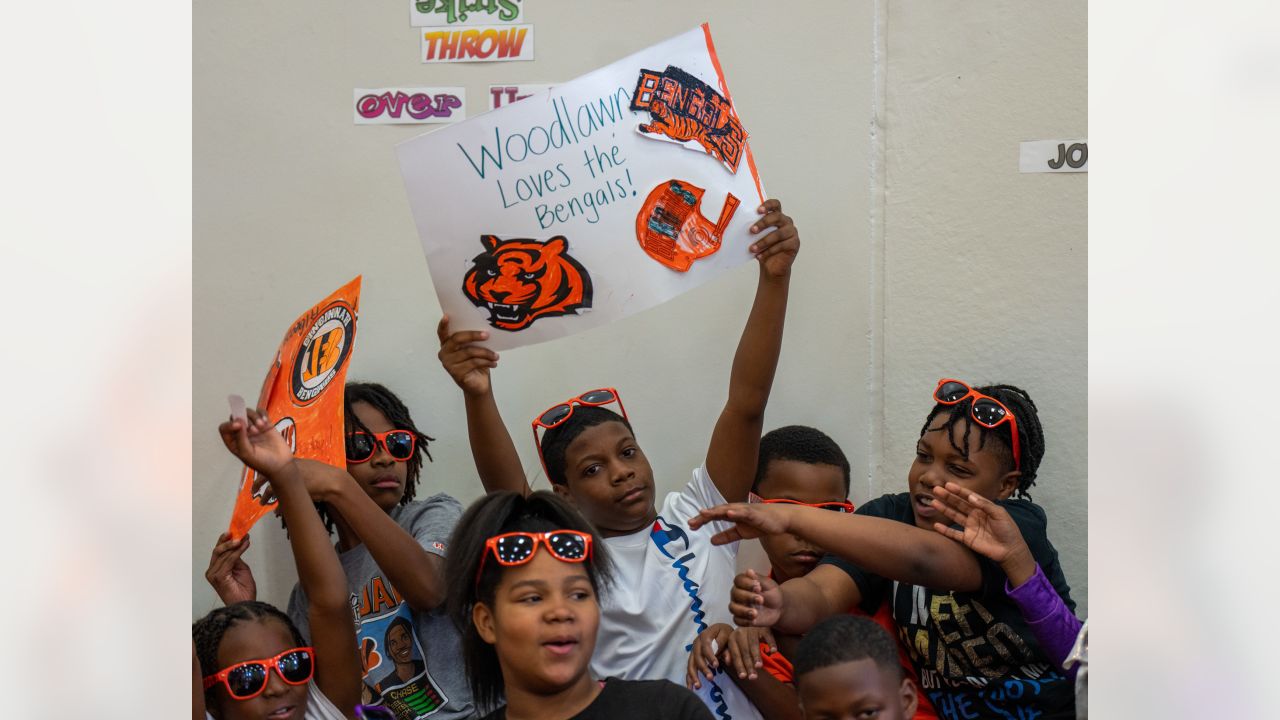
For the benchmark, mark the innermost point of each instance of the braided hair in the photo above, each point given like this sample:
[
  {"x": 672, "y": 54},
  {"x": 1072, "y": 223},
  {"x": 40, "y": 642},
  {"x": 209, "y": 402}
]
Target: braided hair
[
  {"x": 1030, "y": 432},
  {"x": 207, "y": 632},
  {"x": 385, "y": 402}
]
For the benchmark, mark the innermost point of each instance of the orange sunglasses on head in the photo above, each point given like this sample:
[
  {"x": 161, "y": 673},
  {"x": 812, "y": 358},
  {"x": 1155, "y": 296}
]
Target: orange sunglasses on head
[
  {"x": 985, "y": 410},
  {"x": 560, "y": 412},
  {"x": 836, "y": 506},
  {"x": 518, "y": 548},
  {"x": 246, "y": 680}
]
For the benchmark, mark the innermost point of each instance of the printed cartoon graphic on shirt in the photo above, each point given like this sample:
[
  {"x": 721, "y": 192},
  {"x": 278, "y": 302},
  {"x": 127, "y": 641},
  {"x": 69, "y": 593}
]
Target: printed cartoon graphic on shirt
[
  {"x": 973, "y": 665},
  {"x": 668, "y": 537},
  {"x": 395, "y": 667}
]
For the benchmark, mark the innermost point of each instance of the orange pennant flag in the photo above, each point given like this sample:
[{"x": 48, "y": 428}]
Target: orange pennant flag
[{"x": 303, "y": 393}]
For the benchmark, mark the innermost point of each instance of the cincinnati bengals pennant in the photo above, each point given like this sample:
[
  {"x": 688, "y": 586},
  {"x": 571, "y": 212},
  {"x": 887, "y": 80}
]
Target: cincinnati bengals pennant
[
  {"x": 303, "y": 393},
  {"x": 685, "y": 110}
]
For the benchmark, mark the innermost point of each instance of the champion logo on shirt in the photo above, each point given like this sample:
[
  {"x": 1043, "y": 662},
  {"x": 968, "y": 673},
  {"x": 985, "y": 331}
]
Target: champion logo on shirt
[{"x": 665, "y": 535}]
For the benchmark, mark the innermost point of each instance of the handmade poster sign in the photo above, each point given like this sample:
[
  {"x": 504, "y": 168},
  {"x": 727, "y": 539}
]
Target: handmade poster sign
[
  {"x": 303, "y": 393},
  {"x": 559, "y": 213}
]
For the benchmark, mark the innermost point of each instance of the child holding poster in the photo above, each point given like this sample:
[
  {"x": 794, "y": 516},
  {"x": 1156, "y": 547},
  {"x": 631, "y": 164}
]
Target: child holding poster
[
  {"x": 671, "y": 582},
  {"x": 392, "y": 550}
]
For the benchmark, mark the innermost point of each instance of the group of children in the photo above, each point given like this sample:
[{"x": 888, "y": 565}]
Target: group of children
[{"x": 599, "y": 600}]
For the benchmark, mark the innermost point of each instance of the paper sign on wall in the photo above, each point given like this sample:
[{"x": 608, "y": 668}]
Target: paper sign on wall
[
  {"x": 303, "y": 393},
  {"x": 554, "y": 214},
  {"x": 1048, "y": 156},
  {"x": 405, "y": 106},
  {"x": 496, "y": 43},
  {"x": 500, "y": 95},
  {"x": 435, "y": 13}
]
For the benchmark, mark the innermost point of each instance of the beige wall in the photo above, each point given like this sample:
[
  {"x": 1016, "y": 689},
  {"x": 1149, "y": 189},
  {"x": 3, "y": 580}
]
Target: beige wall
[{"x": 291, "y": 199}]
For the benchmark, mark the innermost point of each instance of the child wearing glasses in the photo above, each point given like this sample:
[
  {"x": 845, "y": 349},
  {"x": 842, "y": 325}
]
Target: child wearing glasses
[
  {"x": 392, "y": 550},
  {"x": 797, "y": 465},
  {"x": 258, "y": 665},
  {"x": 968, "y": 640},
  {"x": 526, "y": 574},
  {"x": 671, "y": 582}
]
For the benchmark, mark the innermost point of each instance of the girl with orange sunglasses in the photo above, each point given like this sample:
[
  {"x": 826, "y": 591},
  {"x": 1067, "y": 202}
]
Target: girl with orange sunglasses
[
  {"x": 255, "y": 663},
  {"x": 525, "y": 576}
]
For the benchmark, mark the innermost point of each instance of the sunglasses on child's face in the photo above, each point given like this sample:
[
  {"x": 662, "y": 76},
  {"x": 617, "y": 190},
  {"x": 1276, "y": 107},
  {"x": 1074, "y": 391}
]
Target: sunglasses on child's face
[
  {"x": 248, "y": 679},
  {"x": 836, "y": 506},
  {"x": 985, "y": 410},
  {"x": 399, "y": 444},
  {"x": 559, "y": 413},
  {"x": 518, "y": 548}
]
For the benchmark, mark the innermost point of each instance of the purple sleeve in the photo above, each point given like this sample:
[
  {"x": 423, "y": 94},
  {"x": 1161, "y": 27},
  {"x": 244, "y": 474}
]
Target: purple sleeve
[{"x": 1051, "y": 621}]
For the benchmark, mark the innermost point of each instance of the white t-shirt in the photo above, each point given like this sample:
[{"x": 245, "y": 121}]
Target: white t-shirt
[{"x": 670, "y": 583}]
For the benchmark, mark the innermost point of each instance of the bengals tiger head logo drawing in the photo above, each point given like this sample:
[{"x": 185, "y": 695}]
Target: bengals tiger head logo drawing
[{"x": 521, "y": 280}]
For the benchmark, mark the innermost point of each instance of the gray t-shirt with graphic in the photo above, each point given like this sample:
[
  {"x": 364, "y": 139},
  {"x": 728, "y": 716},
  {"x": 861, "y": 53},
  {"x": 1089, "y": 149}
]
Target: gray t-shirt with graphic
[{"x": 412, "y": 660}]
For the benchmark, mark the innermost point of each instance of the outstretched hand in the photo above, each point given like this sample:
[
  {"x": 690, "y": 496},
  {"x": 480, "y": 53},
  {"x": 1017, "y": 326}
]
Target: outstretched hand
[
  {"x": 777, "y": 250},
  {"x": 257, "y": 443},
  {"x": 750, "y": 521},
  {"x": 467, "y": 363},
  {"x": 986, "y": 528}
]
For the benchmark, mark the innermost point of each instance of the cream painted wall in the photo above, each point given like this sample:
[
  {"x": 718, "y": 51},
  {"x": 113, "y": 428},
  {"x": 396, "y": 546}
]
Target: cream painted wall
[
  {"x": 984, "y": 269},
  {"x": 291, "y": 199}
]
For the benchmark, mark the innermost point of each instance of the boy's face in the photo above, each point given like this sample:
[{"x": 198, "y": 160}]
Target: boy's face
[
  {"x": 986, "y": 472},
  {"x": 856, "y": 690},
  {"x": 382, "y": 477},
  {"x": 804, "y": 482},
  {"x": 609, "y": 479}
]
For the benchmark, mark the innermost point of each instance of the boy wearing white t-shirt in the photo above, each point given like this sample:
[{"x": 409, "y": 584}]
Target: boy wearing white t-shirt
[{"x": 670, "y": 582}]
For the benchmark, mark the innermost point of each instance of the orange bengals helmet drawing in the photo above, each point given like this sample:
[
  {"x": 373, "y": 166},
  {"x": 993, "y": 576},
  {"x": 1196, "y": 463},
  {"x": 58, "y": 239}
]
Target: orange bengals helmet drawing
[{"x": 521, "y": 280}]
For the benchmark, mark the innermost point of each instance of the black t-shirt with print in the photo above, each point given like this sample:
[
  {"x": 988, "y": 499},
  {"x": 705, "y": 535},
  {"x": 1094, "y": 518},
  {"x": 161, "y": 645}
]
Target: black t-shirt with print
[
  {"x": 975, "y": 654},
  {"x": 637, "y": 700}
]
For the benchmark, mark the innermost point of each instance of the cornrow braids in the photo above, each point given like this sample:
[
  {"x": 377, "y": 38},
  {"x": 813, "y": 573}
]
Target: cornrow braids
[
  {"x": 387, "y": 403},
  {"x": 207, "y": 632},
  {"x": 1030, "y": 432}
]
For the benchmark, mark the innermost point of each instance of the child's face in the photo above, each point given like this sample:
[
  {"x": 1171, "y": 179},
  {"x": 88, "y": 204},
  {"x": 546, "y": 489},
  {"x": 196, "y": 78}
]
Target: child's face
[
  {"x": 542, "y": 624},
  {"x": 382, "y": 477},
  {"x": 253, "y": 640},
  {"x": 806, "y": 482},
  {"x": 985, "y": 472},
  {"x": 609, "y": 479},
  {"x": 856, "y": 690}
]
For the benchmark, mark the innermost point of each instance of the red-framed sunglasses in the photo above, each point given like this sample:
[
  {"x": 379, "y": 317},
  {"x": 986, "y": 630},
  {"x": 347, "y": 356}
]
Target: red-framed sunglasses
[
  {"x": 844, "y": 507},
  {"x": 247, "y": 680},
  {"x": 399, "y": 444},
  {"x": 518, "y": 548},
  {"x": 985, "y": 410},
  {"x": 560, "y": 412}
]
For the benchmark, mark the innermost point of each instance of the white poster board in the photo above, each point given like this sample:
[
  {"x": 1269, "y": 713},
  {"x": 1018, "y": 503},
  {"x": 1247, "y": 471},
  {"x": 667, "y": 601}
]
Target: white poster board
[{"x": 557, "y": 214}]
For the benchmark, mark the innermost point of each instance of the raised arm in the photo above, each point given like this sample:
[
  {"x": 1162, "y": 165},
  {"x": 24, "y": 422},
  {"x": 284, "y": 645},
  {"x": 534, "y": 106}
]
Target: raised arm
[
  {"x": 988, "y": 529},
  {"x": 735, "y": 441},
  {"x": 494, "y": 453},
  {"x": 887, "y": 548},
  {"x": 416, "y": 574},
  {"x": 319, "y": 572}
]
